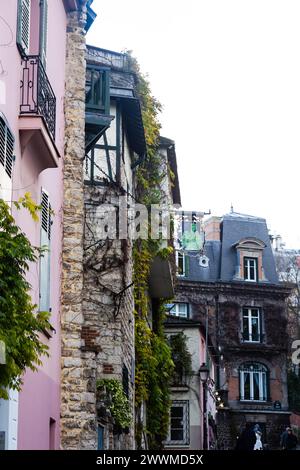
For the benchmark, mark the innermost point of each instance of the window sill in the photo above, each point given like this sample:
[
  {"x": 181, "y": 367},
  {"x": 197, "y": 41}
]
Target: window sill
[
  {"x": 244, "y": 341},
  {"x": 253, "y": 401}
]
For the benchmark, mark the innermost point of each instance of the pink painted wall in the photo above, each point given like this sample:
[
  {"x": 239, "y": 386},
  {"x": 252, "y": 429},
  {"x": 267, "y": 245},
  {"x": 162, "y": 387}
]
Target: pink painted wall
[{"x": 40, "y": 398}]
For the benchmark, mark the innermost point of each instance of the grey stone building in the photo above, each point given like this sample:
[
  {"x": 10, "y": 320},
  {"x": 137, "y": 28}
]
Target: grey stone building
[
  {"x": 234, "y": 281},
  {"x": 105, "y": 143}
]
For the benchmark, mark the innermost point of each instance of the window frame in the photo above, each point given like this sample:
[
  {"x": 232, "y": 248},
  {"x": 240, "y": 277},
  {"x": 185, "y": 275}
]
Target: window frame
[
  {"x": 183, "y": 255},
  {"x": 247, "y": 268},
  {"x": 249, "y": 315},
  {"x": 185, "y": 426},
  {"x": 263, "y": 382},
  {"x": 176, "y": 306}
]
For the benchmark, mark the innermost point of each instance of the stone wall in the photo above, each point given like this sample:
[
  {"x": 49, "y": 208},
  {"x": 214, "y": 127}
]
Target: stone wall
[
  {"x": 77, "y": 391},
  {"x": 108, "y": 304}
]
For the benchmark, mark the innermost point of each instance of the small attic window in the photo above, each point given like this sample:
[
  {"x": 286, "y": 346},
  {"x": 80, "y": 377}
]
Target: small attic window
[{"x": 250, "y": 269}]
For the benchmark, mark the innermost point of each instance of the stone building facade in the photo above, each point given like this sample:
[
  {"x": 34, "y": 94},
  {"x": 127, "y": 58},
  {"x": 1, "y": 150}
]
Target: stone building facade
[
  {"x": 239, "y": 288},
  {"x": 78, "y": 423}
]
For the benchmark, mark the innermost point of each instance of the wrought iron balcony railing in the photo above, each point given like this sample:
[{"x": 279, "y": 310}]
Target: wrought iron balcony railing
[{"x": 37, "y": 96}]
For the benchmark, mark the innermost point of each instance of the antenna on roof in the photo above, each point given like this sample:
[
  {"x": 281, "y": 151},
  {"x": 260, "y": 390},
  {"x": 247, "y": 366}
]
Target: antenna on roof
[{"x": 231, "y": 208}]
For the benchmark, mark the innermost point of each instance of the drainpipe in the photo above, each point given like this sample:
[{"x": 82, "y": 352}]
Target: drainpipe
[{"x": 217, "y": 341}]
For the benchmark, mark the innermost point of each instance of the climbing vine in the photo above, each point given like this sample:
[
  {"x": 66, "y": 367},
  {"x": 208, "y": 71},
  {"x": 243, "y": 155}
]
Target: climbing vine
[
  {"x": 154, "y": 363},
  {"x": 181, "y": 357},
  {"x": 118, "y": 402},
  {"x": 20, "y": 323}
]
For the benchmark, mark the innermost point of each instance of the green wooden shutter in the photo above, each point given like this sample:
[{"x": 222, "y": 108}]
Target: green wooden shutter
[
  {"x": 43, "y": 30},
  {"x": 45, "y": 259},
  {"x": 23, "y": 26}
]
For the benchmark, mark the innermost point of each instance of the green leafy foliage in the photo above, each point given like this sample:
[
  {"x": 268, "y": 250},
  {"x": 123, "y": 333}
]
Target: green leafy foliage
[
  {"x": 154, "y": 364},
  {"x": 181, "y": 357},
  {"x": 20, "y": 323},
  {"x": 118, "y": 402}
]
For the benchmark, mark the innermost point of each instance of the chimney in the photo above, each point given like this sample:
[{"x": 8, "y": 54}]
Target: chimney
[{"x": 212, "y": 228}]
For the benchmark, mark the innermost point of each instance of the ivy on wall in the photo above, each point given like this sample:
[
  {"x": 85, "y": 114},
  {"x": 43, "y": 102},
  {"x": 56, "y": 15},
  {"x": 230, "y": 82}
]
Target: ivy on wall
[
  {"x": 182, "y": 358},
  {"x": 154, "y": 365},
  {"x": 294, "y": 390},
  {"x": 20, "y": 324},
  {"x": 118, "y": 403}
]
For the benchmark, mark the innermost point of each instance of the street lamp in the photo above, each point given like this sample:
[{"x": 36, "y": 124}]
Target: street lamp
[{"x": 204, "y": 374}]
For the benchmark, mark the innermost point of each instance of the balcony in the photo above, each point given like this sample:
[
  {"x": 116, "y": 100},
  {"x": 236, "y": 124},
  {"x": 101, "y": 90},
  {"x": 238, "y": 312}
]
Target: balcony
[
  {"x": 97, "y": 100},
  {"x": 37, "y": 120},
  {"x": 37, "y": 96}
]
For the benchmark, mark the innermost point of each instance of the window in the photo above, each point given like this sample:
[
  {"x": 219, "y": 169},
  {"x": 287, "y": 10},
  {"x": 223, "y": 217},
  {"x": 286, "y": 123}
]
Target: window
[
  {"x": 251, "y": 324},
  {"x": 179, "y": 423},
  {"x": 97, "y": 89},
  {"x": 181, "y": 263},
  {"x": 6, "y": 147},
  {"x": 250, "y": 269},
  {"x": 253, "y": 382},
  {"x": 180, "y": 309},
  {"x": 46, "y": 223},
  {"x": 43, "y": 30},
  {"x": 23, "y": 26}
]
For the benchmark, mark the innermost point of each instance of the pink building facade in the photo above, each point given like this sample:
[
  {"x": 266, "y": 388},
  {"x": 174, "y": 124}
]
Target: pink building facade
[{"x": 32, "y": 82}]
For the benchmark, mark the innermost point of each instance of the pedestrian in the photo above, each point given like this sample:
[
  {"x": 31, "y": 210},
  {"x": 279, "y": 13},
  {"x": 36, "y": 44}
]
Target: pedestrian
[
  {"x": 283, "y": 437},
  {"x": 258, "y": 444},
  {"x": 247, "y": 439},
  {"x": 289, "y": 441}
]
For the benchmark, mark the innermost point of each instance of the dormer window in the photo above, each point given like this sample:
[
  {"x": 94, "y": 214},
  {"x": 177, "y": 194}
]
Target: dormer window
[
  {"x": 250, "y": 269},
  {"x": 249, "y": 260}
]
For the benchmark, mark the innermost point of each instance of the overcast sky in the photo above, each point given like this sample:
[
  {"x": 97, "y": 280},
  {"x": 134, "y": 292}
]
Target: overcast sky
[{"x": 228, "y": 75}]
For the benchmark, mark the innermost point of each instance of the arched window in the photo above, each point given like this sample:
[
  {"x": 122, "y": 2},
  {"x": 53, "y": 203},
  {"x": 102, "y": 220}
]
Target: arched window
[{"x": 253, "y": 382}]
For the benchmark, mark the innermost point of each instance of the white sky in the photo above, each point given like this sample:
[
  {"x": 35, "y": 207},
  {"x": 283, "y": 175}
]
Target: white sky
[{"x": 228, "y": 75}]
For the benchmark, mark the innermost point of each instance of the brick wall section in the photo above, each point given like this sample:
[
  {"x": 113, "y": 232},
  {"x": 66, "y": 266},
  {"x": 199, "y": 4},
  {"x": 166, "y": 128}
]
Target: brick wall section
[
  {"x": 225, "y": 304},
  {"x": 77, "y": 399}
]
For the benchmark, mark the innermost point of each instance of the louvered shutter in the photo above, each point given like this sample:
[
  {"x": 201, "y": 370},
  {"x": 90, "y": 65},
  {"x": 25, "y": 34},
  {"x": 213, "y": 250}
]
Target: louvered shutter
[
  {"x": 43, "y": 30},
  {"x": 6, "y": 160},
  {"x": 23, "y": 27},
  {"x": 45, "y": 259}
]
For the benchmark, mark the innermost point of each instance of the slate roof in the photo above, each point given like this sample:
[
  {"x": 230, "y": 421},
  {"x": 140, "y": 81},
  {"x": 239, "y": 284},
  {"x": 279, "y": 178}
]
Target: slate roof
[
  {"x": 212, "y": 249},
  {"x": 236, "y": 227},
  {"x": 222, "y": 255}
]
